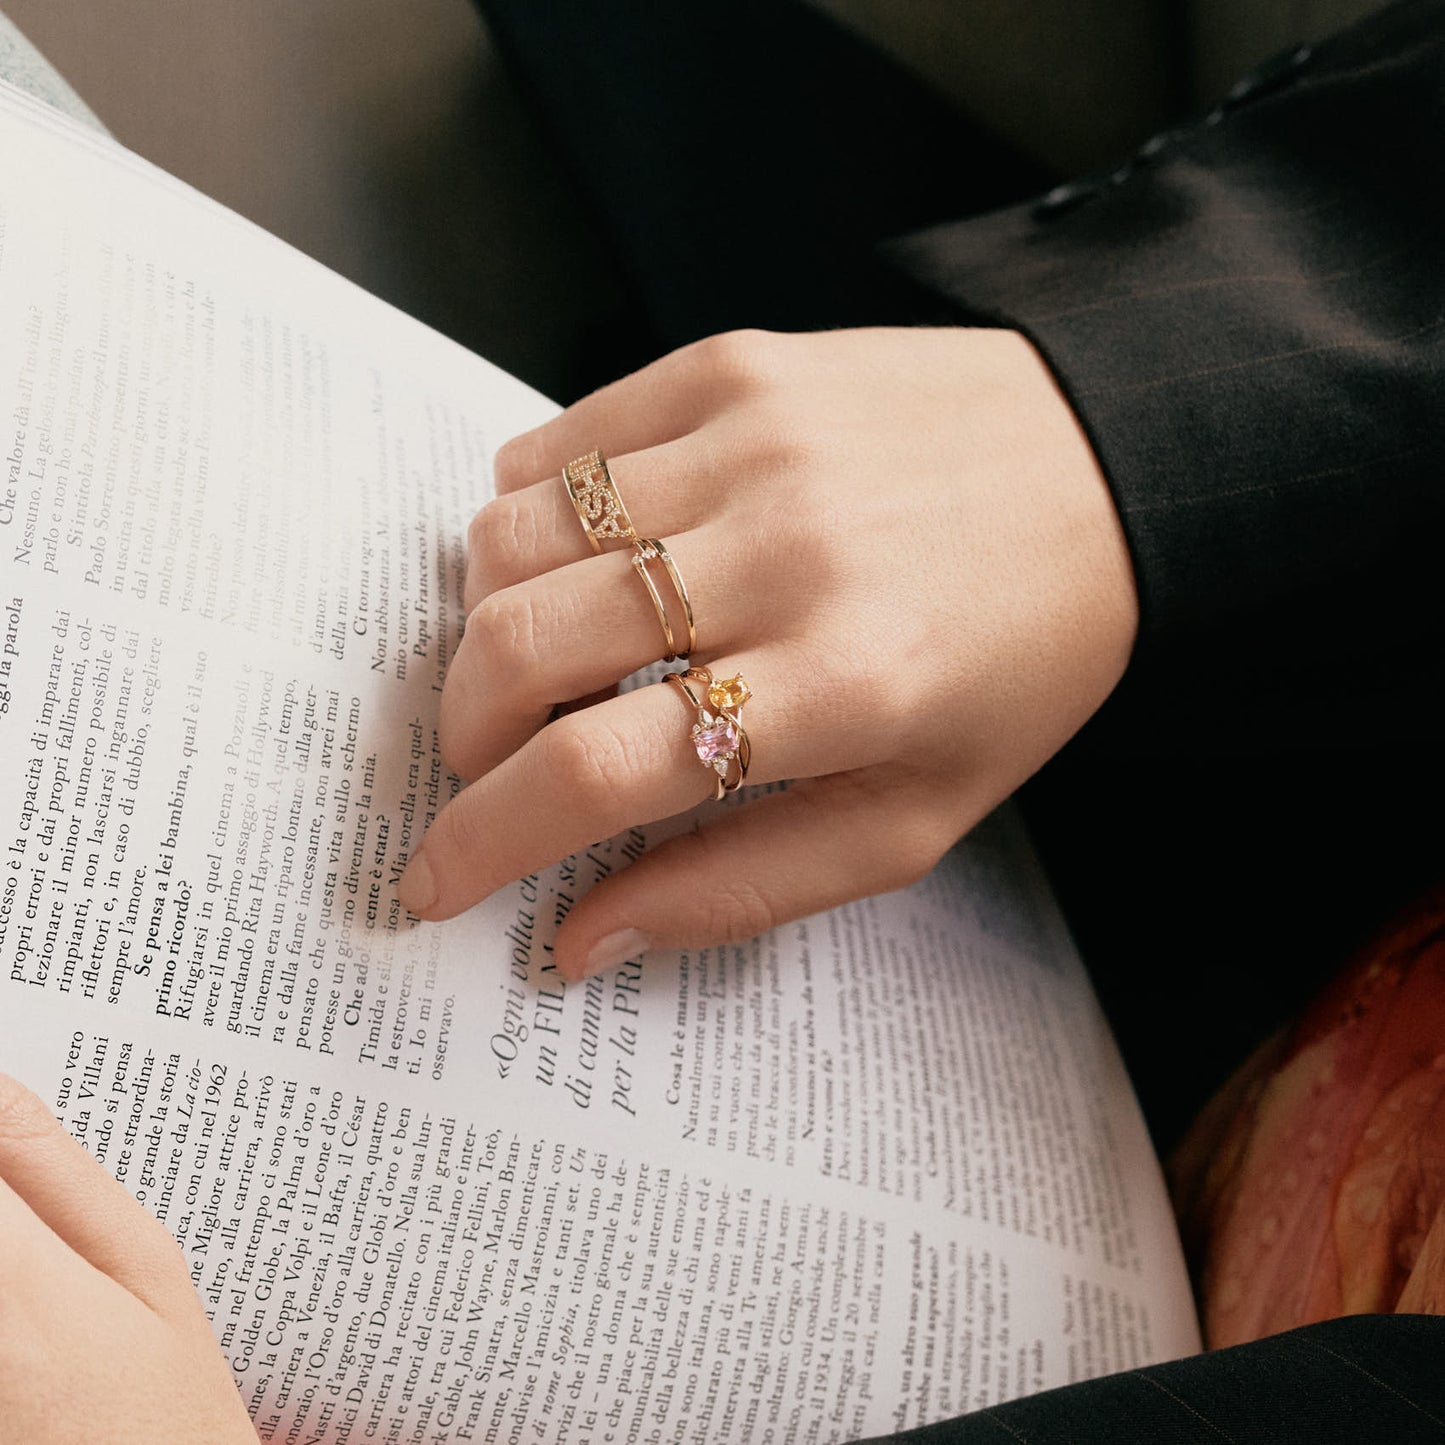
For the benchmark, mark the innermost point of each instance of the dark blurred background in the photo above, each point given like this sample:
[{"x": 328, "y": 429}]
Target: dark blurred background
[{"x": 385, "y": 139}]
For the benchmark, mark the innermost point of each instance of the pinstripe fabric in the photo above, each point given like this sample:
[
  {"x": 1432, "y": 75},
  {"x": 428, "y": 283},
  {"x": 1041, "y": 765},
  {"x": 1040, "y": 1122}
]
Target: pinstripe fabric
[{"x": 1250, "y": 321}]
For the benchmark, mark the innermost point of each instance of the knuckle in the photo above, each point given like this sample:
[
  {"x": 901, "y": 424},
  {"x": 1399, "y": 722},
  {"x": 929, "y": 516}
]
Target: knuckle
[
  {"x": 515, "y": 462},
  {"x": 779, "y": 445},
  {"x": 733, "y": 907},
  {"x": 744, "y": 361},
  {"x": 787, "y": 435},
  {"x": 505, "y": 626},
  {"x": 459, "y": 833},
  {"x": 495, "y": 536},
  {"x": 23, "y": 1115},
  {"x": 476, "y": 530},
  {"x": 590, "y": 760}
]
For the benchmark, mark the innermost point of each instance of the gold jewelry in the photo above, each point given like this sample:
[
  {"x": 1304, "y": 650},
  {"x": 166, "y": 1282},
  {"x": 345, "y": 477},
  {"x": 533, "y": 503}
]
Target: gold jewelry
[
  {"x": 599, "y": 507},
  {"x": 652, "y": 550},
  {"x": 642, "y": 555},
  {"x": 718, "y": 734}
]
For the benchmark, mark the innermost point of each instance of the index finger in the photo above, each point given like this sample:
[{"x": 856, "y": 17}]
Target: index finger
[{"x": 585, "y": 776}]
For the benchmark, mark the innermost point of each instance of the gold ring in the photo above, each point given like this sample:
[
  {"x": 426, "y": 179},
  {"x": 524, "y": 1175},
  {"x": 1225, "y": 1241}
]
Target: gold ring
[
  {"x": 599, "y": 507},
  {"x": 652, "y": 550},
  {"x": 718, "y": 735}
]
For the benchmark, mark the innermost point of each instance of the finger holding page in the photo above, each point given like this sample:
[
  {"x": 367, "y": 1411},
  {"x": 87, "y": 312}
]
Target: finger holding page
[{"x": 84, "y": 1354}]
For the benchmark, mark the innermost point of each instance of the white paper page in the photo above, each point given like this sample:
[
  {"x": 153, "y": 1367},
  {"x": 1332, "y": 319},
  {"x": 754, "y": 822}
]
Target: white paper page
[{"x": 879, "y": 1167}]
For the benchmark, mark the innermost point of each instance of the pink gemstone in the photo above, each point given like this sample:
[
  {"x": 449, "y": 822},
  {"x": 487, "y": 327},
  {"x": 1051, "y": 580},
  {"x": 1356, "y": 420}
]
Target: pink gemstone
[{"x": 718, "y": 741}]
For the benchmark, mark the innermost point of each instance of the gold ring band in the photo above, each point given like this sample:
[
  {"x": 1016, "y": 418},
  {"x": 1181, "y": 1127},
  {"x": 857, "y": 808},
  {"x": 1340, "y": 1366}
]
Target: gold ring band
[
  {"x": 652, "y": 550},
  {"x": 640, "y": 558},
  {"x": 599, "y": 506},
  {"x": 718, "y": 736}
]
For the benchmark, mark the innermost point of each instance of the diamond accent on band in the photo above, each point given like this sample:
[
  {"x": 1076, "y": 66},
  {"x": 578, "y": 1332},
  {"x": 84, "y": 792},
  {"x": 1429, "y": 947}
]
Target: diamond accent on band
[
  {"x": 597, "y": 503},
  {"x": 729, "y": 694},
  {"x": 596, "y": 496},
  {"x": 612, "y": 526},
  {"x": 716, "y": 741}
]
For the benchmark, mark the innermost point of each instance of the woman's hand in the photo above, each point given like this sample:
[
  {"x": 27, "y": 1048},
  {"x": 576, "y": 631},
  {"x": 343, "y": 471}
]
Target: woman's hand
[
  {"x": 102, "y": 1338},
  {"x": 902, "y": 541}
]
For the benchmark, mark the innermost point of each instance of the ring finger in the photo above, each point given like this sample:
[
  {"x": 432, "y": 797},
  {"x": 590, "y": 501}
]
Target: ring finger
[{"x": 622, "y": 763}]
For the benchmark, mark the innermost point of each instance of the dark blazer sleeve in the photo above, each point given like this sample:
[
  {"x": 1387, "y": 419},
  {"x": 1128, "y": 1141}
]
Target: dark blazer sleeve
[
  {"x": 1249, "y": 319},
  {"x": 1366, "y": 1380}
]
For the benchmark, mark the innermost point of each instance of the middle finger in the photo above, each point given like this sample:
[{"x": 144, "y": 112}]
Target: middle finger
[
  {"x": 536, "y": 529},
  {"x": 577, "y": 630}
]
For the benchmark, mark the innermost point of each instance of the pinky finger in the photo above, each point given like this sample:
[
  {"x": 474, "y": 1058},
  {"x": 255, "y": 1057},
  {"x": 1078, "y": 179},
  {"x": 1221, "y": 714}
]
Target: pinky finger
[{"x": 824, "y": 842}]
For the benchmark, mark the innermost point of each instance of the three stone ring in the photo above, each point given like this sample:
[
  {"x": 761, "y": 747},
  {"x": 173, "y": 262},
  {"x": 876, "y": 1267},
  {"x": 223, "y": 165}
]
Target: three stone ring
[{"x": 718, "y": 735}]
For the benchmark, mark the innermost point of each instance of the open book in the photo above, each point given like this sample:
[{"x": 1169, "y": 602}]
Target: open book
[{"x": 877, "y": 1168}]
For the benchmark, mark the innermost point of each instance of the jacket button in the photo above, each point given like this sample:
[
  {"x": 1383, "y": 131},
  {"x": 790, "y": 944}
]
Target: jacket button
[
  {"x": 1155, "y": 145},
  {"x": 1275, "y": 74},
  {"x": 1064, "y": 198}
]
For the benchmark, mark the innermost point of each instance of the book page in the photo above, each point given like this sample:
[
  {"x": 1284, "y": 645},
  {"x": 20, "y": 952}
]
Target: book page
[{"x": 879, "y": 1167}]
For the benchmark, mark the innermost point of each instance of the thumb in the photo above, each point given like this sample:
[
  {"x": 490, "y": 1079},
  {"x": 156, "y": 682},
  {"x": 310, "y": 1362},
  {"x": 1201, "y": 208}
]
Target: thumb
[{"x": 85, "y": 1207}]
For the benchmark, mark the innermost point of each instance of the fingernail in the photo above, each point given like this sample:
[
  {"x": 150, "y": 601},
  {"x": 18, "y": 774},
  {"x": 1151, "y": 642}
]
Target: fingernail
[
  {"x": 418, "y": 887},
  {"x": 614, "y": 949}
]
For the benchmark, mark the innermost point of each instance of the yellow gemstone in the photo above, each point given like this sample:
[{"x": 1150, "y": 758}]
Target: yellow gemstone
[{"x": 730, "y": 694}]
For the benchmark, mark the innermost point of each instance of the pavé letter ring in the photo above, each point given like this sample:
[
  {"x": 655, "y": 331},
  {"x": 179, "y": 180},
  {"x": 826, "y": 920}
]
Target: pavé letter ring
[
  {"x": 718, "y": 734},
  {"x": 651, "y": 550},
  {"x": 594, "y": 494}
]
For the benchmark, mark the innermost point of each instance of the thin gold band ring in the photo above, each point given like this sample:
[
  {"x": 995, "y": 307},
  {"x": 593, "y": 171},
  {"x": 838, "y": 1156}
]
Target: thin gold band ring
[{"x": 651, "y": 549}]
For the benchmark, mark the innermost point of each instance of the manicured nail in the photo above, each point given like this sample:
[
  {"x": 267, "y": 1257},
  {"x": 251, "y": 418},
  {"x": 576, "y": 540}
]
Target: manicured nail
[
  {"x": 418, "y": 887},
  {"x": 614, "y": 949}
]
